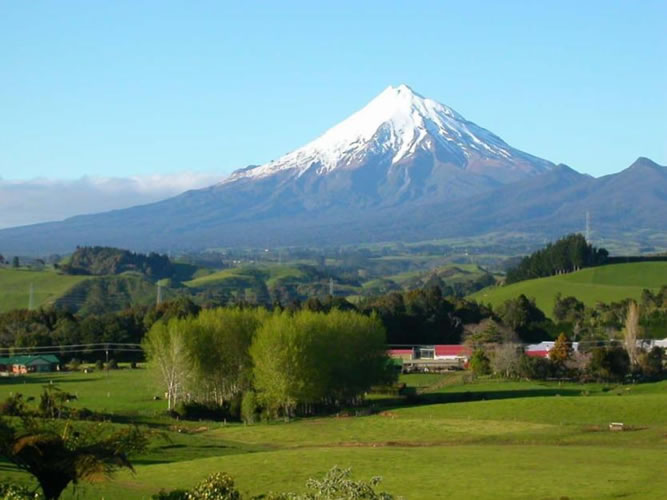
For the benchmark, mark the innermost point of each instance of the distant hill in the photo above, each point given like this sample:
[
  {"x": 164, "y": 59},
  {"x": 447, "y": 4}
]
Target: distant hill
[
  {"x": 77, "y": 293},
  {"x": 47, "y": 286},
  {"x": 609, "y": 283}
]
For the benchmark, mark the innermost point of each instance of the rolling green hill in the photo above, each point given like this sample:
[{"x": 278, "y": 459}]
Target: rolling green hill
[
  {"x": 47, "y": 286},
  {"x": 84, "y": 294},
  {"x": 610, "y": 283}
]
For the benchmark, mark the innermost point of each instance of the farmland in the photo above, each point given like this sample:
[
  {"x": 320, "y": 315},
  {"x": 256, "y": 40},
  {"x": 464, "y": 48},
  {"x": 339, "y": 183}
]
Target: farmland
[
  {"x": 607, "y": 284},
  {"x": 509, "y": 439},
  {"x": 47, "y": 287}
]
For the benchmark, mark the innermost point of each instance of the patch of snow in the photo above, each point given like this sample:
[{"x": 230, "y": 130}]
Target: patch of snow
[{"x": 395, "y": 122}]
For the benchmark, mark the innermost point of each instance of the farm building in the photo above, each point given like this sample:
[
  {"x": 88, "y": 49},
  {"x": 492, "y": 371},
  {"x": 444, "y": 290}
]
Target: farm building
[
  {"x": 29, "y": 364},
  {"x": 542, "y": 349},
  {"x": 432, "y": 357}
]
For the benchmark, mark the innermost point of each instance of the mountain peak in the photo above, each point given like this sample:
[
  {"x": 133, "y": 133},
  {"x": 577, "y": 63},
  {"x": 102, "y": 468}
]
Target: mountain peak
[
  {"x": 643, "y": 162},
  {"x": 395, "y": 127}
]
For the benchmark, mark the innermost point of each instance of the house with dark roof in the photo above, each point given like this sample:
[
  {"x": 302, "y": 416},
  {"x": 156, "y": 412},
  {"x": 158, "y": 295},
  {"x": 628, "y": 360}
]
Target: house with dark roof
[{"x": 17, "y": 365}]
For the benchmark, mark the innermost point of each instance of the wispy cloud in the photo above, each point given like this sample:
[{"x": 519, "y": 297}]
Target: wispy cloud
[{"x": 39, "y": 200}]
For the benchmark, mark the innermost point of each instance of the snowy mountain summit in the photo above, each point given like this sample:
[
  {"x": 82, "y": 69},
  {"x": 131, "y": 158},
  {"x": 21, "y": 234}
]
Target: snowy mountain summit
[{"x": 400, "y": 129}]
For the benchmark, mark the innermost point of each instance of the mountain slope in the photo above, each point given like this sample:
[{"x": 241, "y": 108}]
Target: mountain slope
[{"x": 402, "y": 168}]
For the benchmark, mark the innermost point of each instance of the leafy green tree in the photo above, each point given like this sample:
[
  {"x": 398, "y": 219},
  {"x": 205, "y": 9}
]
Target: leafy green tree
[
  {"x": 15, "y": 262},
  {"x": 568, "y": 309},
  {"x": 312, "y": 359},
  {"x": 651, "y": 362},
  {"x": 166, "y": 347},
  {"x": 219, "y": 351},
  {"x": 479, "y": 363},
  {"x": 249, "y": 407},
  {"x": 609, "y": 364},
  {"x": 525, "y": 318}
]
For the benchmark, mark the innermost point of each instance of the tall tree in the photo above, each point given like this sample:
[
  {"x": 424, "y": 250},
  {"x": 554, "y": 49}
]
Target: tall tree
[
  {"x": 166, "y": 346},
  {"x": 631, "y": 332}
]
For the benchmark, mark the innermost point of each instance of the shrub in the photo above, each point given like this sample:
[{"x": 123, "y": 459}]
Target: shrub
[
  {"x": 74, "y": 365},
  {"x": 535, "y": 368},
  {"x": 218, "y": 486},
  {"x": 10, "y": 491},
  {"x": 335, "y": 485},
  {"x": 99, "y": 364},
  {"x": 479, "y": 363},
  {"x": 193, "y": 410},
  {"x": 650, "y": 362},
  {"x": 13, "y": 406},
  {"x": 111, "y": 365},
  {"x": 133, "y": 365}
]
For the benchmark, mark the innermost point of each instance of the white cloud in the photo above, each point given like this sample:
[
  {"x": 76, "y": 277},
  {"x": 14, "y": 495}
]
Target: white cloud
[{"x": 39, "y": 200}]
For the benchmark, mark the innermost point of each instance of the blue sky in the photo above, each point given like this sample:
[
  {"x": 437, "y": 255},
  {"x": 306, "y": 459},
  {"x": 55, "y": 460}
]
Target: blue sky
[{"x": 125, "y": 88}]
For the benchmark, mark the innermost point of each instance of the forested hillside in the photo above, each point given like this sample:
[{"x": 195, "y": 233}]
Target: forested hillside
[{"x": 106, "y": 261}]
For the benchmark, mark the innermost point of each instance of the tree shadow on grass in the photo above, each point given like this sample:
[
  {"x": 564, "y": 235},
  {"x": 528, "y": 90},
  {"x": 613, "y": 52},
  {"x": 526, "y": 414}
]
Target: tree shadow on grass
[
  {"x": 411, "y": 400},
  {"x": 41, "y": 380}
]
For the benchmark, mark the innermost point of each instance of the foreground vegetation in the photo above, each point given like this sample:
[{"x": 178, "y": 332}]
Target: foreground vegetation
[{"x": 516, "y": 439}]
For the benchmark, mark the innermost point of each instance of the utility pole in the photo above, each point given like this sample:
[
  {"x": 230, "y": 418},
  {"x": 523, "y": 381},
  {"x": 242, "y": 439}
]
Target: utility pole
[
  {"x": 31, "y": 298},
  {"x": 159, "y": 294},
  {"x": 331, "y": 286}
]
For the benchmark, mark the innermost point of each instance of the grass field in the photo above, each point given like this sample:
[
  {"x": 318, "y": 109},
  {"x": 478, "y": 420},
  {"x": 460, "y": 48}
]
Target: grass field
[
  {"x": 47, "y": 286},
  {"x": 523, "y": 440},
  {"x": 597, "y": 284}
]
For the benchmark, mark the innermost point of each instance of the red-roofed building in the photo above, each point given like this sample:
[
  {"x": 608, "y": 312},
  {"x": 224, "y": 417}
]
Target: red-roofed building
[
  {"x": 537, "y": 354},
  {"x": 404, "y": 354},
  {"x": 452, "y": 351}
]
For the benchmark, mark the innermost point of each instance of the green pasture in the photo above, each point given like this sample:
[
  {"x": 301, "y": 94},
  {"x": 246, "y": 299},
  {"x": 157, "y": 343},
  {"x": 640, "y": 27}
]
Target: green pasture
[
  {"x": 611, "y": 283},
  {"x": 461, "y": 439},
  {"x": 48, "y": 285}
]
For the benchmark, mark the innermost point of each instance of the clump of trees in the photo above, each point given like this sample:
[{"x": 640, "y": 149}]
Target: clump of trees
[
  {"x": 284, "y": 362},
  {"x": 609, "y": 363},
  {"x": 568, "y": 254},
  {"x": 107, "y": 260},
  {"x": 627, "y": 320}
]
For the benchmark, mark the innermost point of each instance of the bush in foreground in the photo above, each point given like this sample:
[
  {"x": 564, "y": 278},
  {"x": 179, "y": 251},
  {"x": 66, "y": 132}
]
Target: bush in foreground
[{"x": 336, "y": 484}]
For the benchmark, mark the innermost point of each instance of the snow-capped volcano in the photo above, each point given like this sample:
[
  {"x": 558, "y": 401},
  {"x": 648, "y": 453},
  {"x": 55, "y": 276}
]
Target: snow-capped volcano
[{"x": 393, "y": 128}]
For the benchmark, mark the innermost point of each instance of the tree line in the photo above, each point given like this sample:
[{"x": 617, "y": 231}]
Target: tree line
[
  {"x": 411, "y": 317},
  {"x": 108, "y": 261},
  {"x": 568, "y": 254}
]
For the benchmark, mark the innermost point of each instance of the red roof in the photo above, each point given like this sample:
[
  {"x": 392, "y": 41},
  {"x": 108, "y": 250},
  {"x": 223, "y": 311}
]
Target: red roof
[
  {"x": 399, "y": 351},
  {"x": 538, "y": 354},
  {"x": 452, "y": 350}
]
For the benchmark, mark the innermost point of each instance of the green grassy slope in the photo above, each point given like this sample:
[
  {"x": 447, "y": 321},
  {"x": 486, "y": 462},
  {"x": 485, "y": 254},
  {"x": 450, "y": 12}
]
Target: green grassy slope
[
  {"x": 598, "y": 284},
  {"x": 48, "y": 286},
  {"x": 86, "y": 294},
  {"x": 528, "y": 440}
]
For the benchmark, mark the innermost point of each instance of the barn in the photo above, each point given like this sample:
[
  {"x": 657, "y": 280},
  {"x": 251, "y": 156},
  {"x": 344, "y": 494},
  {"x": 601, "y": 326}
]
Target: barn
[{"x": 17, "y": 365}]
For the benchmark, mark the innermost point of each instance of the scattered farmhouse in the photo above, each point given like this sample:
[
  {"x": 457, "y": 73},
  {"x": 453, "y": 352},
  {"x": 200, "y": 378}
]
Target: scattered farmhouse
[
  {"x": 16, "y": 365},
  {"x": 432, "y": 357}
]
